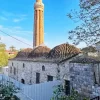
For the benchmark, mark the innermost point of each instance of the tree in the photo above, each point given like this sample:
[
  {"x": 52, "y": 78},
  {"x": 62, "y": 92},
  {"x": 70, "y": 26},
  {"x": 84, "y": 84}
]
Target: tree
[
  {"x": 7, "y": 91},
  {"x": 3, "y": 59},
  {"x": 89, "y": 17},
  {"x": 3, "y": 55},
  {"x": 12, "y": 48},
  {"x": 2, "y": 46}
]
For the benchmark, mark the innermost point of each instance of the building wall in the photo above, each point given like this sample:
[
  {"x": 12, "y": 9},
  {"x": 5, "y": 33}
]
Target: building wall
[
  {"x": 98, "y": 48},
  {"x": 94, "y": 54},
  {"x": 82, "y": 79},
  {"x": 5, "y": 70},
  {"x": 64, "y": 70},
  {"x": 28, "y": 73}
]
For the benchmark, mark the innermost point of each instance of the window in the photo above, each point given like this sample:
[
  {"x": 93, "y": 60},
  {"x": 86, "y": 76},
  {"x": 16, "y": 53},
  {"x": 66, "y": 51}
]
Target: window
[
  {"x": 10, "y": 69},
  {"x": 12, "y": 64},
  {"x": 23, "y": 65},
  {"x": 23, "y": 81},
  {"x": 67, "y": 87},
  {"x": 14, "y": 71},
  {"x": 37, "y": 78},
  {"x": 49, "y": 78},
  {"x": 96, "y": 74},
  {"x": 43, "y": 68}
]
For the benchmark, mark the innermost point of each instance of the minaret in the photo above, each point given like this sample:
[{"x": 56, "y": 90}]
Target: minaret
[{"x": 38, "y": 23}]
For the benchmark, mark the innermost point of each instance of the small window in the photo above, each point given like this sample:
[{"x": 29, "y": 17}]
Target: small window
[
  {"x": 14, "y": 71},
  {"x": 12, "y": 64},
  {"x": 43, "y": 68},
  {"x": 50, "y": 78},
  {"x": 23, "y": 65}
]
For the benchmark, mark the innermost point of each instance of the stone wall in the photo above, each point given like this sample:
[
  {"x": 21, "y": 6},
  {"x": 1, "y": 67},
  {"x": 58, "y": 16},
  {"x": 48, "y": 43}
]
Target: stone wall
[
  {"x": 82, "y": 79},
  {"x": 64, "y": 70},
  {"x": 28, "y": 72}
]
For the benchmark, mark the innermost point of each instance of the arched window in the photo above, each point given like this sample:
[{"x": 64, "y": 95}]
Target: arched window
[
  {"x": 23, "y": 65},
  {"x": 43, "y": 68},
  {"x": 23, "y": 81}
]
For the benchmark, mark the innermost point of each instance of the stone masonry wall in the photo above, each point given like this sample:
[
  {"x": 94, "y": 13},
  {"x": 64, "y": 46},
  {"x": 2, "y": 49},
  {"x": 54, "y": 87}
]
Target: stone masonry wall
[
  {"x": 28, "y": 73},
  {"x": 82, "y": 79}
]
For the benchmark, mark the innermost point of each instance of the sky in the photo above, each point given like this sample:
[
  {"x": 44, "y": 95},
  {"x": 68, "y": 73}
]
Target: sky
[{"x": 17, "y": 18}]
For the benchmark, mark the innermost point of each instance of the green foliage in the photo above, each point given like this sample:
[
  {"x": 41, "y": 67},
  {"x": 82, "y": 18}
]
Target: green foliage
[
  {"x": 3, "y": 59},
  {"x": 12, "y": 48},
  {"x": 3, "y": 55},
  {"x": 2, "y": 47},
  {"x": 12, "y": 56},
  {"x": 7, "y": 91},
  {"x": 88, "y": 31},
  {"x": 59, "y": 94}
]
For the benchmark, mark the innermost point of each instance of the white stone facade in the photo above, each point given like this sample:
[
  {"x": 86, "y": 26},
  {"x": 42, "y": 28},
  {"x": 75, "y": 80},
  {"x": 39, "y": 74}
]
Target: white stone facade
[{"x": 29, "y": 70}]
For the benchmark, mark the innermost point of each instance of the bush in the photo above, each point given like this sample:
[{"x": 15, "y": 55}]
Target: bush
[
  {"x": 7, "y": 91},
  {"x": 59, "y": 94}
]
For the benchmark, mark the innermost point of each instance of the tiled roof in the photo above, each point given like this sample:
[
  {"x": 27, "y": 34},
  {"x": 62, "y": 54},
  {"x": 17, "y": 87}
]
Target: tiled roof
[
  {"x": 63, "y": 51},
  {"x": 43, "y": 53},
  {"x": 24, "y": 53},
  {"x": 40, "y": 51}
]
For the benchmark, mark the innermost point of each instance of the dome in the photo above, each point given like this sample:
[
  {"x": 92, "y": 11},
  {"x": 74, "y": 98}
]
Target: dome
[
  {"x": 63, "y": 51},
  {"x": 40, "y": 51},
  {"x": 24, "y": 53}
]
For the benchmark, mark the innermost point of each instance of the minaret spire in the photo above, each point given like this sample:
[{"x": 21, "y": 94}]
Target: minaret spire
[{"x": 38, "y": 23}]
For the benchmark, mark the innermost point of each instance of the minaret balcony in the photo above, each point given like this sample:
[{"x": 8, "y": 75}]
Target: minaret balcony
[{"x": 39, "y": 6}]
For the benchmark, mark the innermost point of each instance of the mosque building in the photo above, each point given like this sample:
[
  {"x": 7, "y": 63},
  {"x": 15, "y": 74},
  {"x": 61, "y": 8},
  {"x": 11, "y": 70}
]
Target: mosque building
[{"x": 42, "y": 64}]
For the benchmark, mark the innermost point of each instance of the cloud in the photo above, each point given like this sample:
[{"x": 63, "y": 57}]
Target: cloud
[
  {"x": 17, "y": 20},
  {"x": 17, "y": 32},
  {"x": 6, "y": 13},
  {"x": 3, "y": 18},
  {"x": 10, "y": 41},
  {"x": 13, "y": 16},
  {"x": 20, "y": 18}
]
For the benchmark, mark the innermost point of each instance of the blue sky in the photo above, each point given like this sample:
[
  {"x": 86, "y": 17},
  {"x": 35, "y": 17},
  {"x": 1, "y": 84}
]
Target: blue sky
[{"x": 16, "y": 18}]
